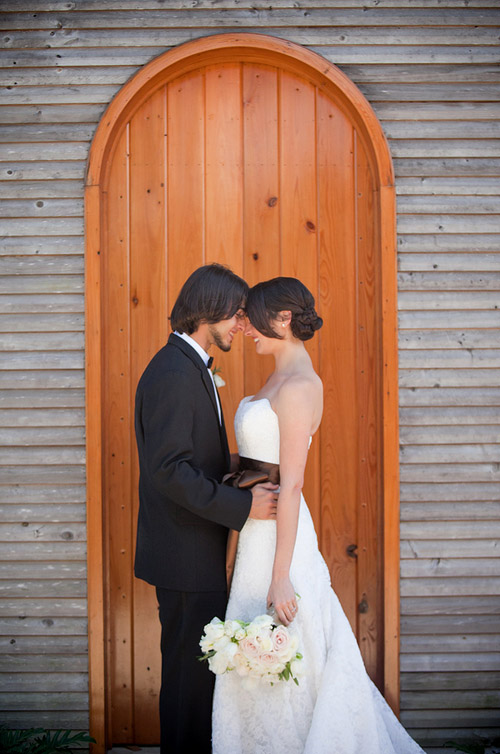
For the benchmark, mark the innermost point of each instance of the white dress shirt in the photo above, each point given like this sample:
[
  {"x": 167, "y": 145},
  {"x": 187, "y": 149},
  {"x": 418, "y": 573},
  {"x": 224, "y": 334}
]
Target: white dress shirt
[{"x": 204, "y": 356}]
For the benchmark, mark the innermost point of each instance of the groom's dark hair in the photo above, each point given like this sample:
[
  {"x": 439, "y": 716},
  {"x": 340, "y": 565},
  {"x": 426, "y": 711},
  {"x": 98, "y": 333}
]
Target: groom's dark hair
[{"x": 210, "y": 294}]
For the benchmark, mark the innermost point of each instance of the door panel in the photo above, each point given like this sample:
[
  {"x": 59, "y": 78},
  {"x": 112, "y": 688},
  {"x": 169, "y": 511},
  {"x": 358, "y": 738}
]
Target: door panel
[{"x": 260, "y": 168}]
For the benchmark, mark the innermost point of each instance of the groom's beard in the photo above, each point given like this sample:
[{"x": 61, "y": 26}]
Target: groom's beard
[{"x": 218, "y": 340}]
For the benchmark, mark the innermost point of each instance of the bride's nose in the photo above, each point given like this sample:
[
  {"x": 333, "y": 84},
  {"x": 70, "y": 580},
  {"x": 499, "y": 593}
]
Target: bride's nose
[{"x": 248, "y": 328}]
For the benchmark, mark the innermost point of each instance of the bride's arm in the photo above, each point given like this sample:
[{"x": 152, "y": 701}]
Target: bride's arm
[{"x": 295, "y": 406}]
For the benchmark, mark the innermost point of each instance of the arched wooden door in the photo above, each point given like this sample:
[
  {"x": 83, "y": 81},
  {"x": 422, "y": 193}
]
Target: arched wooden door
[{"x": 256, "y": 153}]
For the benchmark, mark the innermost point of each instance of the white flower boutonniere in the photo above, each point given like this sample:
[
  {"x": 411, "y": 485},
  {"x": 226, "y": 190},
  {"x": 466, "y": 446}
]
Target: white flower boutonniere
[{"x": 219, "y": 382}]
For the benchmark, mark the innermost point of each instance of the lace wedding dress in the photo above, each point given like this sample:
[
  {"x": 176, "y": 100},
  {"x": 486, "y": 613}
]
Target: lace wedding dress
[{"x": 336, "y": 709}]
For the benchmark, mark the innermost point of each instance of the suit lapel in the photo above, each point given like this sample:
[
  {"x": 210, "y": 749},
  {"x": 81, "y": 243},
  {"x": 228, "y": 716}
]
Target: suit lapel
[{"x": 207, "y": 381}]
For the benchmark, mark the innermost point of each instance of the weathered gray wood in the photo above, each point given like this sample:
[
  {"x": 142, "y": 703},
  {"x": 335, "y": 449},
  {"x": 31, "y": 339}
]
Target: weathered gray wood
[
  {"x": 395, "y": 129},
  {"x": 451, "y": 624},
  {"x": 78, "y": 720},
  {"x": 46, "y": 265},
  {"x": 47, "y": 455},
  {"x": 418, "y": 541},
  {"x": 451, "y": 280},
  {"x": 263, "y": 16},
  {"x": 450, "y": 492},
  {"x": 41, "y": 341},
  {"x": 477, "y": 699},
  {"x": 39, "y": 417},
  {"x": 346, "y": 36},
  {"x": 484, "y": 661},
  {"x": 434, "y": 416},
  {"x": 43, "y": 664},
  {"x": 464, "y": 204},
  {"x": 40, "y": 245},
  {"x": 459, "y": 166},
  {"x": 452, "y": 396},
  {"x": 449, "y": 434},
  {"x": 49, "y": 701},
  {"x": 430, "y": 738},
  {"x": 42, "y": 642},
  {"x": 449, "y": 377},
  {"x": 43, "y": 588},
  {"x": 446, "y": 605},
  {"x": 68, "y": 398},
  {"x": 42, "y": 360},
  {"x": 475, "y": 263},
  {"x": 480, "y": 242},
  {"x": 425, "y": 587},
  {"x": 408, "y": 148},
  {"x": 46, "y": 627},
  {"x": 453, "y": 338},
  {"x": 448, "y": 224},
  {"x": 51, "y": 513},
  {"x": 46, "y": 474},
  {"x": 116, "y": 75},
  {"x": 43, "y": 436},
  {"x": 449, "y": 453},
  {"x": 449, "y": 717},
  {"x": 449, "y": 358},
  {"x": 52, "y": 189},
  {"x": 42, "y": 207},
  {"x": 32, "y": 114},
  {"x": 451, "y": 530},
  {"x": 53, "y": 321},
  {"x": 28, "y": 494},
  {"x": 51, "y": 95},
  {"x": 27, "y": 531},
  {"x": 66, "y": 551},
  {"x": 444, "y": 319},
  {"x": 414, "y": 300},
  {"x": 449, "y": 680},
  {"x": 48, "y": 570},
  {"x": 53, "y": 226},
  {"x": 33, "y": 171},
  {"x": 450, "y": 567},
  {"x": 41, "y": 303},
  {"x": 135, "y": 5},
  {"x": 445, "y": 186},
  {"x": 24, "y": 682},
  {"x": 463, "y": 511}
]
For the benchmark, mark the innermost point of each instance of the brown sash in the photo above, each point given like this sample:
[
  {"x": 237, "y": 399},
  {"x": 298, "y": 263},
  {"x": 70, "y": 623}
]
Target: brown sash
[{"x": 250, "y": 473}]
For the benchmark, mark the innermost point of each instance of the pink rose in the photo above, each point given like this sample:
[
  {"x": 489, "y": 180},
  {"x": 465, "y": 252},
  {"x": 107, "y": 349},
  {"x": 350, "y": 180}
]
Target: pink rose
[
  {"x": 281, "y": 640},
  {"x": 249, "y": 648},
  {"x": 268, "y": 659}
]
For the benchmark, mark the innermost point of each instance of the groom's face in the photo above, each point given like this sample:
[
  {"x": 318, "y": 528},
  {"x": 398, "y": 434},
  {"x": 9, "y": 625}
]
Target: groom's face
[{"x": 222, "y": 333}]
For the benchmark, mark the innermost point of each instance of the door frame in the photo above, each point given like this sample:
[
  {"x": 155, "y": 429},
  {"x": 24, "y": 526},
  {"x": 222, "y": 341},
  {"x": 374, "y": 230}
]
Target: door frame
[{"x": 265, "y": 49}]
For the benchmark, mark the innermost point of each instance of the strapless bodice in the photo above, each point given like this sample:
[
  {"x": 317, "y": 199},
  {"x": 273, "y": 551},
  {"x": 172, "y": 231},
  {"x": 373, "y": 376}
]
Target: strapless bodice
[{"x": 257, "y": 430}]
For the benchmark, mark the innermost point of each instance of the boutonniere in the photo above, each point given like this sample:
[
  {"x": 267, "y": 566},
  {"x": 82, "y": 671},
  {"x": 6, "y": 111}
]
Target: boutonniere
[{"x": 219, "y": 382}]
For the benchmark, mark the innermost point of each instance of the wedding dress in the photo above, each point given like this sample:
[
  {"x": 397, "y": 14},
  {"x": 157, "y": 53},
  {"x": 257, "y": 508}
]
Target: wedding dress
[{"x": 336, "y": 709}]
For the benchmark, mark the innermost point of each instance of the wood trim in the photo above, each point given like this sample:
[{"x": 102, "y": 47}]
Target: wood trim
[
  {"x": 390, "y": 444},
  {"x": 260, "y": 49},
  {"x": 93, "y": 402}
]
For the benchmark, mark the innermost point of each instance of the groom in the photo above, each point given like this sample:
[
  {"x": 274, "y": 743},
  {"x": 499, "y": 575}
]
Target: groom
[{"x": 184, "y": 510}]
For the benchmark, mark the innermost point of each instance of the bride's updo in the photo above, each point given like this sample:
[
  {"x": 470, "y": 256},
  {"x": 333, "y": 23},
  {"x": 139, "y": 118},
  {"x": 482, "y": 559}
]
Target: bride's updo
[{"x": 267, "y": 299}]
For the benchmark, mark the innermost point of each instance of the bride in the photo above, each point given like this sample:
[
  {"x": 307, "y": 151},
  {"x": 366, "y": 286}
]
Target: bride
[{"x": 336, "y": 709}]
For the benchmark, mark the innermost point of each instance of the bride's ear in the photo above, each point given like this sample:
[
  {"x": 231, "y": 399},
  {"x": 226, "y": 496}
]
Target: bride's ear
[{"x": 284, "y": 318}]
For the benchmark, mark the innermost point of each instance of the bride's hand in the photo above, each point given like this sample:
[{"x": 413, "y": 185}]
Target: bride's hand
[{"x": 282, "y": 598}]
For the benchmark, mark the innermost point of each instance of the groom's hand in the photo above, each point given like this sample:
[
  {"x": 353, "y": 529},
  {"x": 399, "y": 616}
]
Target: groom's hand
[{"x": 264, "y": 501}]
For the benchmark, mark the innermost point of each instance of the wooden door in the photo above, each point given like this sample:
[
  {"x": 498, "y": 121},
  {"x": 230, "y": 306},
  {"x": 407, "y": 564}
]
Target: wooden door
[{"x": 247, "y": 158}]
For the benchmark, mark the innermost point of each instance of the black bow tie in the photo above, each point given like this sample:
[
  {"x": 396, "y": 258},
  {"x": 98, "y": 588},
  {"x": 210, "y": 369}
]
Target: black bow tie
[{"x": 210, "y": 362}]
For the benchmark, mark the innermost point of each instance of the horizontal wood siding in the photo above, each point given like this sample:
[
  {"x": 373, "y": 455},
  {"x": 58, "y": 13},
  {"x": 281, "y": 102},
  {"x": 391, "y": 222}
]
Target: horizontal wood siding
[{"x": 430, "y": 69}]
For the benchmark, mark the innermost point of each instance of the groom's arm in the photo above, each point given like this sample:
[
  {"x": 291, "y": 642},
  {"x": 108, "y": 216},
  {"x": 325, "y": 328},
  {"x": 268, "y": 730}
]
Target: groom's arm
[{"x": 165, "y": 416}]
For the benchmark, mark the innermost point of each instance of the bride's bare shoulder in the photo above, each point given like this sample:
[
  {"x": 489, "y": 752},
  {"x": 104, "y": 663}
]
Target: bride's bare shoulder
[{"x": 306, "y": 388}]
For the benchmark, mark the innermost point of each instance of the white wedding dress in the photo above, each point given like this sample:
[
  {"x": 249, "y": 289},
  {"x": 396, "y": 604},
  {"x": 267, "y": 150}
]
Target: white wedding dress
[{"x": 336, "y": 709}]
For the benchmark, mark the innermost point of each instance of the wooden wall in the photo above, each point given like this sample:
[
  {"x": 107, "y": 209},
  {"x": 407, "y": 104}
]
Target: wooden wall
[{"x": 430, "y": 69}]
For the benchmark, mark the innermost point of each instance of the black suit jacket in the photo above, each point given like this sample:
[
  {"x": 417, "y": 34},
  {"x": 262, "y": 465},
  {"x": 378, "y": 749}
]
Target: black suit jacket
[{"x": 184, "y": 510}]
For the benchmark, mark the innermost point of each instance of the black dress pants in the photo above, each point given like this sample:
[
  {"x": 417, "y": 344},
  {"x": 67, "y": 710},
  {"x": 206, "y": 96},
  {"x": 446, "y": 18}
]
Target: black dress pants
[{"x": 186, "y": 683}]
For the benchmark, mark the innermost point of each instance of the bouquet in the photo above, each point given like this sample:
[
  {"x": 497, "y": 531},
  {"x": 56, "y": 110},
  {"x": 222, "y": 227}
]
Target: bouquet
[{"x": 259, "y": 650}]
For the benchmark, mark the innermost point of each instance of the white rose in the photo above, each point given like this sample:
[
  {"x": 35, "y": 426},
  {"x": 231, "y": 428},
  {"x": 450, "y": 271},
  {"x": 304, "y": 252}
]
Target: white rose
[
  {"x": 240, "y": 634},
  {"x": 221, "y": 644},
  {"x": 297, "y": 668},
  {"x": 230, "y": 627},
  {"x": 218, "y": 380}
]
